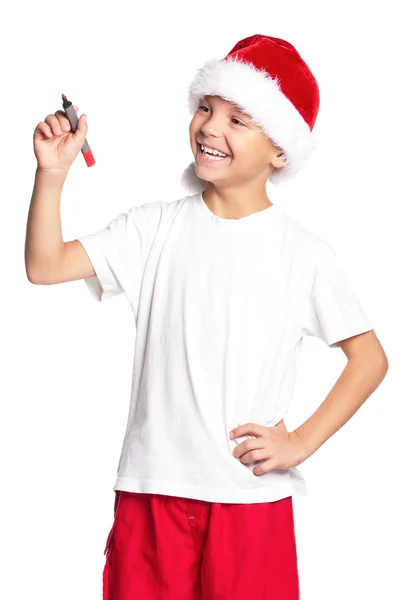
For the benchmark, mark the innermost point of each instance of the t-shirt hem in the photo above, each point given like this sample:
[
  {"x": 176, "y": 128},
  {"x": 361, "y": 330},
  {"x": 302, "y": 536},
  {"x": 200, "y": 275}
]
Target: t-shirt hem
[
  {"x": 102, "y": 285},
  {"x": 352, "y": 331},
  {"x": 232, "y": 495}
]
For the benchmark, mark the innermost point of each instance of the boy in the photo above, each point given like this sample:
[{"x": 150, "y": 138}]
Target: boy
[{"x": 223, "y": 287}]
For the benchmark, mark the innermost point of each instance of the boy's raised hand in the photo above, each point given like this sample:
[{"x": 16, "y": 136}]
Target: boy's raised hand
[
  {"x": 55, "y": 146},
  {"x": 275, "y": 446}
]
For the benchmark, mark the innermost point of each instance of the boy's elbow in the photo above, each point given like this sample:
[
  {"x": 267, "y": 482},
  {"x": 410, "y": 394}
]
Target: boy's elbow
[
  {"x": 379, "y": 361},
  {"x": 34, "y": 276},
  {"x": 31, "y": 276},
  {"x": 384, "y": 362}
]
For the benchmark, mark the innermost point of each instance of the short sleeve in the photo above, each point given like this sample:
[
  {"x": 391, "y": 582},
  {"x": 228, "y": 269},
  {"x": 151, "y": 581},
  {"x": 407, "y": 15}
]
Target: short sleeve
[
  {"x": 332, "y": 310},
  {"x": 116, "y": 254}
]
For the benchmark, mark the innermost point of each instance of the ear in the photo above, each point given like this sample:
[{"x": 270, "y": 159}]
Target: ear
[{"x": 279, "y": 159}]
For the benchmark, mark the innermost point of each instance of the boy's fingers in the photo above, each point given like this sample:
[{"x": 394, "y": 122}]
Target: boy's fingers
[
  {"x": 54, "y": 123},
  {"x": 63, "y": 120},
  {"x": 44, "y": 129}
]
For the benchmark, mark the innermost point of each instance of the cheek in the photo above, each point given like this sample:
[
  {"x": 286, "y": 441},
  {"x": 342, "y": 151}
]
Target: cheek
[
  {"x": 193, "y": 125},
  {"x": 251, "y": 154},
  {"x": 194, "y": 128}
]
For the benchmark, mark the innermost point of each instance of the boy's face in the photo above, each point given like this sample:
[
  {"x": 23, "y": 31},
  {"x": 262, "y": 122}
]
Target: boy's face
[{"x": 251, "y": 155}]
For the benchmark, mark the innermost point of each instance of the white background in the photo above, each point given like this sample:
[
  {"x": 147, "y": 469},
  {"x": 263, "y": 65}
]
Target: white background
[{"x": 67, "y": 360}]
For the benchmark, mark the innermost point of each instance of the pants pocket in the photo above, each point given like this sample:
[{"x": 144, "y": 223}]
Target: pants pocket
[{"x": 109, "y": 540}]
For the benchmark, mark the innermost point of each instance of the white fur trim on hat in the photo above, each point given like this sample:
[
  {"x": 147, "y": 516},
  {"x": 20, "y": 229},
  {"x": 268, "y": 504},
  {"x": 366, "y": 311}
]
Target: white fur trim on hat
[{"x": 256, "y": 93}]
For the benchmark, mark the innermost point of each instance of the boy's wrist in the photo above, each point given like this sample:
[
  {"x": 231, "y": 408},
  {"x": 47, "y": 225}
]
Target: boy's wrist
[
  {"x": 52, "y": 173},
  {"x": 305, "y": 442}
]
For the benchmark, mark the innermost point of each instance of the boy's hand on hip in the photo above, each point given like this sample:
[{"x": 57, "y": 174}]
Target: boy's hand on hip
[{"x": 275, "y": 446}]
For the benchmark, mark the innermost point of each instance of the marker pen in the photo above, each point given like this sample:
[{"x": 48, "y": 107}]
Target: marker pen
[{"x": 73, "y": 119}]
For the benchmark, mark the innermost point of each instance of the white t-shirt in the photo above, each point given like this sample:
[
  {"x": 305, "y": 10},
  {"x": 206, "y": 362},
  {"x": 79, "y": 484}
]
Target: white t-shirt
[{"x": 221, "y": 307}]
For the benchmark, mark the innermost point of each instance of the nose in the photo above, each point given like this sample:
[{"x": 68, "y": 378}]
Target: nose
[{"x": 212, "y": 126}]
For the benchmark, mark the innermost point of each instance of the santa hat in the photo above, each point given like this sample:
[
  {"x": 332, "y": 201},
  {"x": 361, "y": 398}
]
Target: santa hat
[{"x": 267, "y": 79}]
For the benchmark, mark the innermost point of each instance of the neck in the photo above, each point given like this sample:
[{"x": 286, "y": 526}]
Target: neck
[{"x": 234, "y": 203}]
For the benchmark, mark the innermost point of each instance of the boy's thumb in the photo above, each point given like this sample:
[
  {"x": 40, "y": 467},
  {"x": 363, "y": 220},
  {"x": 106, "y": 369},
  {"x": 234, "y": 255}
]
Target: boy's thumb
[{"x": 81, "y": 131}]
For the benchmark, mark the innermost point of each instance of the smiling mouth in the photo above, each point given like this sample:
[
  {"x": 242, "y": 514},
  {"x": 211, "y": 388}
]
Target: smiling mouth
[{"x": 211, "y": 157}]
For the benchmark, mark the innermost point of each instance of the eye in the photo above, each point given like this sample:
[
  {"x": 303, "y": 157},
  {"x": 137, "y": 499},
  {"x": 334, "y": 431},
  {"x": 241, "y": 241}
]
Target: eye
[{"x": 233, "y": 118}]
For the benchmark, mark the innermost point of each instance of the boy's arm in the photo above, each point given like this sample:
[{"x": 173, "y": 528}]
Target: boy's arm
[
  {"x": 366, "y": 368},
  {"x": 48, "y": 259}
]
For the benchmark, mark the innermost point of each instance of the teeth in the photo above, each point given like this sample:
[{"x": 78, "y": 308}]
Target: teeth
[{"x": 213, "y": 151}]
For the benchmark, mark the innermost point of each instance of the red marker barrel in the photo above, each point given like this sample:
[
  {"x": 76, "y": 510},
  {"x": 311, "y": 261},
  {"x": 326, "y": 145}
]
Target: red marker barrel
[{"x": 73, "y": 119}]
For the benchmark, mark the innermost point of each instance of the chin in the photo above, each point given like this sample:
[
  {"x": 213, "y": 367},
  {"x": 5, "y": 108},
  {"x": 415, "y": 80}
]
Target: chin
[{"x": 200, "y": 174}]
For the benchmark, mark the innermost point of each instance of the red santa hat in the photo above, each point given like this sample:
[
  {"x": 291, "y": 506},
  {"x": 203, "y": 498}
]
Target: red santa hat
[{"x": 267, "y": 79}]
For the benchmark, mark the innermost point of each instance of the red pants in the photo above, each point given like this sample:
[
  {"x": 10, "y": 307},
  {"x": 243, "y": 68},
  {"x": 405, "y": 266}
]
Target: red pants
[{"x": 169, "y": 548}]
